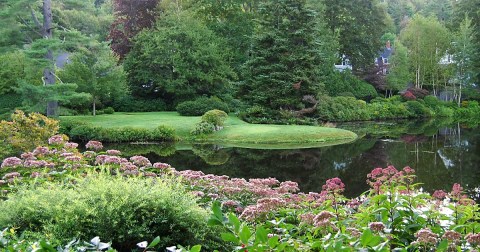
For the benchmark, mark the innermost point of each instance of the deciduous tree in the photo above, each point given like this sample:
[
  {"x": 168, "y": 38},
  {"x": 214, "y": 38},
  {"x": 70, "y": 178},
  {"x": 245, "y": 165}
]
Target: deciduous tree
[
  {"x": 130, "y": 18},
  {"x": 96, "y": 72},
  {"x": 427, "y": 41},
  {"x": 178, "y": 60}
]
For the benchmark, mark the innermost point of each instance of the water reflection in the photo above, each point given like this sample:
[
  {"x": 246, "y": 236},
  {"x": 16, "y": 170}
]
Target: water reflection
[{"x": 442, "y": 153}]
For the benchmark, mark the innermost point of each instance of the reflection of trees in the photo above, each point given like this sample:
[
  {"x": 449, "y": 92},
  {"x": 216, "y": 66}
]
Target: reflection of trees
[{"x": 211, "y": 154}]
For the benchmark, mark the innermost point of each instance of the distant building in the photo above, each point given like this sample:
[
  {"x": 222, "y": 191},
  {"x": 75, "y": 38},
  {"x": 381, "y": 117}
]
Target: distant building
[
  {"x": 383, "y": 61},
  {"x": 344, "y": 64}
]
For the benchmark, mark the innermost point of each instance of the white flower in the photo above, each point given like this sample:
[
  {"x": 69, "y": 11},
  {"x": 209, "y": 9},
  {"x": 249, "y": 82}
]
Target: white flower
[{"x": 143, "y": 244}]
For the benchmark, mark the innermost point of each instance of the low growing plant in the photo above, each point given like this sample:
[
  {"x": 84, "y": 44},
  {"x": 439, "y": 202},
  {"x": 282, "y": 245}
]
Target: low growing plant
[
  {"x": 215, "y": 117},
  {"x": 124, "y": 211}
]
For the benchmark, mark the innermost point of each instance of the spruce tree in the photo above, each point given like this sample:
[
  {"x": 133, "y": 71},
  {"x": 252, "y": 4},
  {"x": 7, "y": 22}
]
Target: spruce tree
[{"x": 286, "y": 58}]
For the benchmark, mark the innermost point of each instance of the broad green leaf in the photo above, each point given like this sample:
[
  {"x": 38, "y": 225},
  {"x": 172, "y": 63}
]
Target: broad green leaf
[
  {"x": 217, "y": 210},
  {"x": 154, "y": 242},
  {"x": 261, "y": 235},
  {"x": 196, "y": 248},
  {"x": 273, "y": 242},
  {"x": 234, "y": 221},
  {"x": 229, "y": 237},
  {"x": 442, "y": 246},
  {"x": 214, "y": 222},
  {"x": 245, "y": 234}
]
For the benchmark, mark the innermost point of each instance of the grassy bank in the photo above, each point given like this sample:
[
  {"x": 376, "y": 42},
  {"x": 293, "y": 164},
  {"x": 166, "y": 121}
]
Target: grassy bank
[{"x": 235, "y": 133}]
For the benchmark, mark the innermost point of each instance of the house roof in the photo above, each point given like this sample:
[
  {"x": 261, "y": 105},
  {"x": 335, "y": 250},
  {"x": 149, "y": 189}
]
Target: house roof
[{"x": 387, "y": 52}]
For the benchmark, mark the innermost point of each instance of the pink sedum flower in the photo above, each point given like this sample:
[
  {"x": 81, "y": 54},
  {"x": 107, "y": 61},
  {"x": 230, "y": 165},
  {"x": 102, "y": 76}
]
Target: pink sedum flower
[
  {"x": 94, "y": 145},
  {"x": 11, "y": 162}
]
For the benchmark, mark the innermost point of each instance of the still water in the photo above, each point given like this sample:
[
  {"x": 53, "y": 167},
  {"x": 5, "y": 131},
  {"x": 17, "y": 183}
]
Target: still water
[{"x": 442, "y": 153}]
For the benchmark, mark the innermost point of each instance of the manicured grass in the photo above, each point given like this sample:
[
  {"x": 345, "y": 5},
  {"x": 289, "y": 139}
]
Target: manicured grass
[{"x": 235, "y": 133}]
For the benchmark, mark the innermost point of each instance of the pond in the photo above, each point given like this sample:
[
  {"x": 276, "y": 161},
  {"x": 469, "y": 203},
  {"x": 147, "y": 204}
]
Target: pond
[{"x": 441, "y": 152}]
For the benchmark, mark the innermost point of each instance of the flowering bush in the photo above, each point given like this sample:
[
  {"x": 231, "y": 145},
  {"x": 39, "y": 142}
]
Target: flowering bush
[
  {"x": 25, "y": 132},
  {"x": 266, "y": 214}
]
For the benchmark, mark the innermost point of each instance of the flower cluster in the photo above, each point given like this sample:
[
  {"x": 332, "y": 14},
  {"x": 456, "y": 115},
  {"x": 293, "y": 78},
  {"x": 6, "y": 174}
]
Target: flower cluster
[
  {"x": 57, "y": 140},
  {"x": 473, "y": 239},
  {"x": 376, "y": 226},
  {"x": 425, "y": 237},
  {"x": 11, "y": 162},
  {"x": 390, "y": 176},
  {"x": 323, "y": 219},
  {"x": 94, "y": 145},
  {"x": 140, "y": 161},
  {"x": 159, "y": 165},
  {"x": 334, "y": 186}
]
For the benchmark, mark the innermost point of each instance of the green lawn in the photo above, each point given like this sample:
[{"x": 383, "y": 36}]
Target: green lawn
[{"x": 235, "y": 133}]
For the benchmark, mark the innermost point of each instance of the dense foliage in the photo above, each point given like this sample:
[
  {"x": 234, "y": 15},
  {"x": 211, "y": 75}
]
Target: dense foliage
[
  {"x": 200, "y": 106},
  {"x": 179, "y": 59},
  {"x": 286, "y": 56},
  {"x": 275, "y": 55},
  {"x": 124, "y": 211}
]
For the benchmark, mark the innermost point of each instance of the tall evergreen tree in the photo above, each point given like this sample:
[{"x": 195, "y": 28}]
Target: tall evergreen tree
[{"x": 287, "y": 57}]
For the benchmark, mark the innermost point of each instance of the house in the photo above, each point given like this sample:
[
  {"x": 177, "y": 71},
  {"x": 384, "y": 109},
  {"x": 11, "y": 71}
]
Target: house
[
  {"x": 382, "y": 62},
  {"x": 344, "y": 64}
]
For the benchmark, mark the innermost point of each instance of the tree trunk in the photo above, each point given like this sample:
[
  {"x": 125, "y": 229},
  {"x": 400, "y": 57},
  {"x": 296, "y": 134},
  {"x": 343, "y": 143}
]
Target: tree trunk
[
  {"x": 94, "y": 109},
  {"x": 48, "y": 74}
]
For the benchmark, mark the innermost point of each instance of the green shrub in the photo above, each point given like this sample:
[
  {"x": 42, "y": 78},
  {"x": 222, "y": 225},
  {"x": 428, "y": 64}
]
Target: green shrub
[
  {"x": 10, "y": 101},
  {"x": 203, "y": 128},
  {"x": 346, "y": 83},
  {"x": 83, "y": 133},
  {"x": 63, "y": 111},
  {"x": 67, "y": 124},
  {"x": 124, "y": 211},
  {"x": 200, "y": 106},
  {"x": 387, "y": 110},
  {"x": 342, "y": 108},
  {"x": 125, "y": 134},
  {"x": 132, "y": 104},
  {"x": 215, "y": 117},
  {"x": 108, "y": 110},
  {"x": 431, "y": 101},
  {"x": 418, "y": 109}
]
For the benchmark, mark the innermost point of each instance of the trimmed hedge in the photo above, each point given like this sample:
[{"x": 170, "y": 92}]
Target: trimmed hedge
[
  {"x": 201, "y": 105},
  {"x": 84, "y": 132}
]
